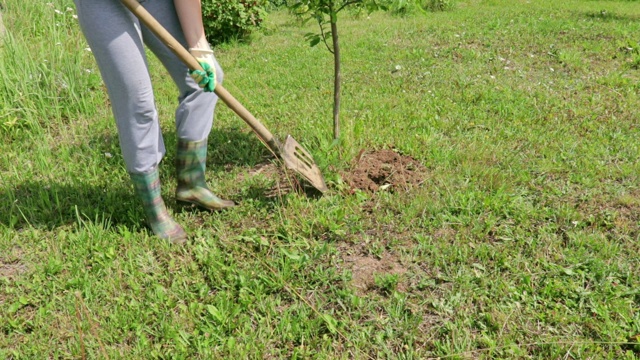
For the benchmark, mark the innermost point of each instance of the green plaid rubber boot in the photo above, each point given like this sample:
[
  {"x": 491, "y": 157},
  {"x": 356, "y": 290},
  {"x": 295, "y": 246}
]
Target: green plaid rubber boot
[
  {"x": 190, "y": 165},
  {"x": 147, "y": 188}
]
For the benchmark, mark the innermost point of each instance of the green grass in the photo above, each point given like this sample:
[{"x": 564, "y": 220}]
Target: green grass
[{"x": 522, "y": 242}]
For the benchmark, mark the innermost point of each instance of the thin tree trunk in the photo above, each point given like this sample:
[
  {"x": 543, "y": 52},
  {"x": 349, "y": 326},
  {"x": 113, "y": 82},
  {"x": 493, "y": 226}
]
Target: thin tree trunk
[{"x": 336, "y": 79}]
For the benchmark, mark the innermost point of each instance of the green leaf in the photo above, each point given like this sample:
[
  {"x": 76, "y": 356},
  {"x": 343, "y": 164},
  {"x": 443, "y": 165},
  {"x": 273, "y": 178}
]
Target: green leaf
[
  {"x": 215, "y": 313},
  {"x": 13, "y": 308},
  {"x": 231, "y": 343},
  {"x": 479, "y": 266},
  {"x": 332, "y": 323},
  {"x": 290, "y": 255},
  {"x": 315, "y": 41}
]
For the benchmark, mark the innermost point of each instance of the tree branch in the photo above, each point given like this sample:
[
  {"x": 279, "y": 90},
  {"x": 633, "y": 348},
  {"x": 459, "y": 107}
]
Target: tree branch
[
  {"x": 347, "y": 4},
  {"x": 324, "y": 37}
]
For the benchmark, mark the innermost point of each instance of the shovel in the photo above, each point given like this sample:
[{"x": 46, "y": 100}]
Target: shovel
[{"x": 295, "y": 157}]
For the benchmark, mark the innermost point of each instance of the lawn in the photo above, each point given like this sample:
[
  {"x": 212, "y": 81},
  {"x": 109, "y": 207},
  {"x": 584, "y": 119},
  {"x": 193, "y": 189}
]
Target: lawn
[{"x": 521, "y": 238}]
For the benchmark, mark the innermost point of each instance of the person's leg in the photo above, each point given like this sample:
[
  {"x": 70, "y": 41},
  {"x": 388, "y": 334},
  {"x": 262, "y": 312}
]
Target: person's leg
[
  {"x": 194, "y": 116},
  {"x": 147, "y": 186},
  {"x": 114, "y": 37},
  {"x": 113, "y": 34}
]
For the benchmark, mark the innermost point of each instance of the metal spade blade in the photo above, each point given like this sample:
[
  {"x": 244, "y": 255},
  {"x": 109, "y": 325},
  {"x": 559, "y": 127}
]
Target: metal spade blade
[{"x": 296, "y": 158}]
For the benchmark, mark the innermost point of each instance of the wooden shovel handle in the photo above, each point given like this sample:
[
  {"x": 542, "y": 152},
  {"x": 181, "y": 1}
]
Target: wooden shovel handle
[{"x": 150, "y": 22}]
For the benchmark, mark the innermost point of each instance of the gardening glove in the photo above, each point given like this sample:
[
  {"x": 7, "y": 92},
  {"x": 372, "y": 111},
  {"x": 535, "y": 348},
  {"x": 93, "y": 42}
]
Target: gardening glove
[{"x": 205, "y": 78}]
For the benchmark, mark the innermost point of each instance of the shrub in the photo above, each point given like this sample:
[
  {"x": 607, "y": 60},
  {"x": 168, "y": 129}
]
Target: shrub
[
  {"x": 437, "y": 5},
  {"x": 226, "y": 20},
  {"x": 403, "y": 7}
]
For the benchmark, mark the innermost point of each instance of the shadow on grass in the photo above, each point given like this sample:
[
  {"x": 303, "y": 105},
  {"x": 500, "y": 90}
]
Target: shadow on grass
[
  {"x": 226, "y": 148},
  {"x": 49, "y": 205},
  {"x": 604, "y": 15}
]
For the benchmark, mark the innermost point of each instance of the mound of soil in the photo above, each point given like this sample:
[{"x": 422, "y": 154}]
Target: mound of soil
[{"x": 382, "y": 169}]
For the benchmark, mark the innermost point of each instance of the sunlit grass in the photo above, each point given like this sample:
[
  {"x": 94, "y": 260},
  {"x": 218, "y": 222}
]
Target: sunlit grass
[{"x": 522, "y": 241}]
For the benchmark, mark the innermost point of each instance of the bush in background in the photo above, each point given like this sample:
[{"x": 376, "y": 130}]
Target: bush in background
[
  {"x": 437, "y": 5},
  {"x": 226, "y": 20},
  {"x": 405, "y": 7}
]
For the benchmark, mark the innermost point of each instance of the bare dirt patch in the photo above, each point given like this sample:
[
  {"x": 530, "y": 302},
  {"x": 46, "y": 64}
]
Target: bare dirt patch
[
  {"x": 12, "y": 270},
  {"x": 621, "y": 213},
  {"x": 384, "y": 169},
  {"x": 11, "y": 265},
  {"x": 365, "y": 268}
]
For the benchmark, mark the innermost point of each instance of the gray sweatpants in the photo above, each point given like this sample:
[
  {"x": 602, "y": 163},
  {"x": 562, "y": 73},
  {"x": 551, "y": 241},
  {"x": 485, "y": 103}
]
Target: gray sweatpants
[{"x": 116, "y": 39}]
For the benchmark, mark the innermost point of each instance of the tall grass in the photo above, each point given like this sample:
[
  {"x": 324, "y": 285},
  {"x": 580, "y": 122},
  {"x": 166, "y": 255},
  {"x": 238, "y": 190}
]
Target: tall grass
[{"x": 47, "y": 73}]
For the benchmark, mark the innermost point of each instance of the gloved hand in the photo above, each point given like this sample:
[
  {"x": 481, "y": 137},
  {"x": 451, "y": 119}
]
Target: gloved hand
[{"x": 205, "y": 79}]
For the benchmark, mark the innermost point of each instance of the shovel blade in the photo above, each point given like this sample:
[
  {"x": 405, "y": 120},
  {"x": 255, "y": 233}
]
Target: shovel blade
[{"x": 298, "y": 159}]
